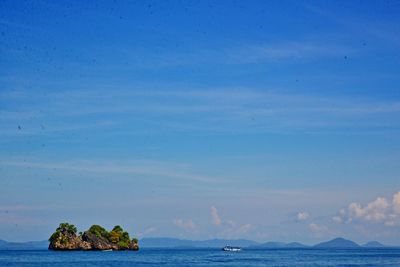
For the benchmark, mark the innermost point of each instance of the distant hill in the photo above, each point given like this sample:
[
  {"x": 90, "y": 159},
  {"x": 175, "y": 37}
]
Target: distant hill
[
  {"x": 224, "y": 242},
  {"x": 279, "y": 245},
  {"x": 271, "y": 245},
  {"x": 32, "y": 245},
  {"x": 166, "y": 242},
  {"x": 337, "y": 243},
  {"x": 295, "y": 245},
  {"x": 373, "y": 244},
  {"x": 211, "y": 243}
]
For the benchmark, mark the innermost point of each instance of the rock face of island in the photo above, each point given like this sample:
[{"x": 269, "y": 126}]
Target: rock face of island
[{"x": 96, "y": 238}]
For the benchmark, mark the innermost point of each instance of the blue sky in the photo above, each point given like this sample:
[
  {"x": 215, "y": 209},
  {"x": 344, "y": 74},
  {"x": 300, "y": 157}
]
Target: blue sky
[{"x": 267, "y": 120}]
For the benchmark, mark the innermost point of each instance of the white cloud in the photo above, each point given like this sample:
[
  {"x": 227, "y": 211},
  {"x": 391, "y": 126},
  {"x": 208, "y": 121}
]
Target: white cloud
[
  {"x": 374, "y": 211},
  {"x": 337, "y": 219},
  {"x": 187, "y": 225},
  {"x": 317, "y": 229},
  {"x": 396, "y": 203},
  {"x": 238, "y": 109},
  {"x": 147, "y": 231},
  {"x": 230, "y": 229},
  {"x": 285, "y": 51},
  {"x": 378, "y": 211},
  {"x": 303, "y": 215},
  {"x": 215, "y": 217},
  {"x": 390, "y": 223},
  {"x": 393, "y": 220},
  {"x": 134, "y": 167},
  {"x": 244, "y": 229},
  {"x": 233, "y": 230},
  {"x": 313, "y": 227}
]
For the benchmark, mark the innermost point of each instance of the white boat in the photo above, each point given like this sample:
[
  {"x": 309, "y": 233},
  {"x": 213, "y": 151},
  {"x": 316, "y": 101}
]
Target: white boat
[{"x": 230, "y": 248}]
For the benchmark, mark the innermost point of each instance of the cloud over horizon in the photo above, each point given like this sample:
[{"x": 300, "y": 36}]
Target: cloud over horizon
[
  {"x": 215, "y": 216},
  {"x": 303, "y": 215},
  {"x": 187, "y": 225},
  {"x": 379, "y": 210}
]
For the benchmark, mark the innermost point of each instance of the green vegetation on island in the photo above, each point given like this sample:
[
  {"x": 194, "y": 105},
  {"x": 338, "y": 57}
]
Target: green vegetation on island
[{"x": 96, "y": 238}]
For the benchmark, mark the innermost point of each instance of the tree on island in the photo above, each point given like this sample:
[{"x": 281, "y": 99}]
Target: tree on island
[
  {"x": 120, "y": 237},
  {"x": 99, "y": 231},
  {"x": 96, "y": 238},
  {"x": 63, "y": 232}
]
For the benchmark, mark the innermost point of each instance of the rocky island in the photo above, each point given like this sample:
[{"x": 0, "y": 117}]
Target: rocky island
[{"x": 96, "y": 238}]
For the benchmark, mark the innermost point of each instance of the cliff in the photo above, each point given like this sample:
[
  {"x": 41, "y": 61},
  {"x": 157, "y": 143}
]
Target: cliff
[{"x": 96, "y": 238}]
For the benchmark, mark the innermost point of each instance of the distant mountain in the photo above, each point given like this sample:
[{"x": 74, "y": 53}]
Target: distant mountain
[
  {"x": 337, "y": 243},
  {"x": 373, "y": 244},
  {"x": 270, "y": 245},
  {"x": 166, "y": 242},
  {"x": 273, "y": 244},
  {"x": 211, "y": 243},
  {"x": 295, "y": 245},
  {"x": 31, "y": 245},
  {"x": 225, "y": 242},
  {"x": 279, "y": 245}
]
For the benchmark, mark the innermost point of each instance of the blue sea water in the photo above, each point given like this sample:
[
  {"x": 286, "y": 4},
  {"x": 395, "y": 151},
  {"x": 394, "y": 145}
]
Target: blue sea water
[{"x": 204, "y": 257}]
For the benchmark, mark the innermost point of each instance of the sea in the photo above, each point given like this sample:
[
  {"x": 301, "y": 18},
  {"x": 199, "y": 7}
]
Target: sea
[{"x": 204, "y": 257}]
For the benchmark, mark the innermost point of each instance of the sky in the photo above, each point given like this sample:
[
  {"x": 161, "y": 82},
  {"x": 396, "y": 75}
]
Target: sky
[{"x": 264, "y": 120}]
